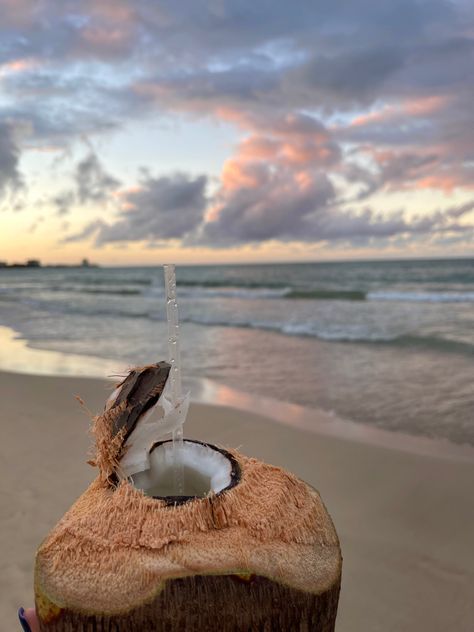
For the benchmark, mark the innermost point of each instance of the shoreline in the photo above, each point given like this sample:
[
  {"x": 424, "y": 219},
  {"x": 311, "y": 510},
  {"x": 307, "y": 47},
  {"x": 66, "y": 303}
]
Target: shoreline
[
  {"x": 18, "y": 358},
  {"x": 404, "y": 520}
]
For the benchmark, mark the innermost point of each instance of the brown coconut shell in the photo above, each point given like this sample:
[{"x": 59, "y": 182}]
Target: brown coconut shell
[{"x": 262, "y": 554}]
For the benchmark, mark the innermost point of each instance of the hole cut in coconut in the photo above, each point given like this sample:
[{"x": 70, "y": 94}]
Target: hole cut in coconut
[{"x": 206, "y": 468}]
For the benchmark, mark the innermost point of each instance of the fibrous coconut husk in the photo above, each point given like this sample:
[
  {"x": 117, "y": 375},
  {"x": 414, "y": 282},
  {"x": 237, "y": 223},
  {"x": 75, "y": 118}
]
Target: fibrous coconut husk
[{"x": 261, "y": 555}]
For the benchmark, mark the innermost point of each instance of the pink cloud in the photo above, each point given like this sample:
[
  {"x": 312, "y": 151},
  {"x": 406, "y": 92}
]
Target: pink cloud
[
  {"x": 426, "y": 105},
  {"x": 112, "y": 11},
  {"x": 104, "y": 38},
  {"x": 258, "y": 148},
  {"x": 18, "y": 65},
  {"x": 237, "y": 174},
  {"x": 291, "y": 142},
  {"x": 447, "y": 182},
  {"x": 19, "y": 13},
  {"x": 419, "y": 107}
]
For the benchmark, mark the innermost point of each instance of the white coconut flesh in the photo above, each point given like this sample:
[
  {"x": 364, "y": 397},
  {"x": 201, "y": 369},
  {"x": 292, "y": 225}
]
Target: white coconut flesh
[
  {"x": 158, "y": 422},
  {"x": 206, "y": 470}
]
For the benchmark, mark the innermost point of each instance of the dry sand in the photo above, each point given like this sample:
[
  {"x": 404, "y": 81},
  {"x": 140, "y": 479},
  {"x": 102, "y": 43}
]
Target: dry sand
[{"x": 406, "y": 521}]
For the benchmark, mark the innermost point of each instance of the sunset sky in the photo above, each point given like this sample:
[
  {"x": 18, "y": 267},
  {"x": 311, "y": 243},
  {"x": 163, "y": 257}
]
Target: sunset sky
[{"x": 134, "y": 132}]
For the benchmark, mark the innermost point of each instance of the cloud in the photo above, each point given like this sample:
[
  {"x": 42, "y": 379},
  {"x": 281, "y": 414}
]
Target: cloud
[
  {"x": 55, "y": 110},
  {"x": 268, "y": 204},
  {"x": 237, "y": 51},
  {"x": 63, "y": 202},
  {"x": 94, "y": 184},
  {"x": 404, "y": 64},
  {"x": 260, "y": 203},
  {"x": 392, "y": 171},
  {"x": 10, "y": 176},
  {"x": 332, "y": 103},
  {"x": 347, "y": 79},
  {"x": 280, "y": 185},
  {"x": 305, "y": 210},
  {"x": 89, "y": 230},
  {"x": 274, "y": 184},
  {"x": 460, "y": 210},
  {"x": 164, "y": 208}
]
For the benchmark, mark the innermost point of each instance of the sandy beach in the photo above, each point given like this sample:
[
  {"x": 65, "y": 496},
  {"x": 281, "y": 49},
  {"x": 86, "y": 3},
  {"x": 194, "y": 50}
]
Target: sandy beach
[{"x": 405, "y": 520}]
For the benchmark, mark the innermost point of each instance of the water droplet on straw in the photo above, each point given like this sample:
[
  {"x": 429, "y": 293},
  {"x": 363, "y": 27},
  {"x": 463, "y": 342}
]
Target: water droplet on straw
[{"x": 175, "y": 373}]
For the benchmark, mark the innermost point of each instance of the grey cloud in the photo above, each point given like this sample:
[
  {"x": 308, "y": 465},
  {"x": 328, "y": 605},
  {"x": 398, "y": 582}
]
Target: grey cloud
[
  {"x": 335, "y": 224},
  {"x": 244, "y": 85},
  {"x": 56, "y": 110},
  {"x": 63, "y": 202},
  {"x": 53, "y": 31},
  {"x": 160, "y": 209},
  {"x": 215, "y": 45},
  {"x": 89, "y": 230},
  {"x": 192, "y": 32},
  {"x": 347, "y": 80},
  {"x": 10, "y": 177},
  {"x": 400, "y": 170},
  {"x": 33, "y": 227},
  {"x": 314, "y": 220},
  {"x": 276, "y": 208},
  {"x": 434, "y": 63},
  {"x": 94, "y": 184},
  {"x": 460, "y": 210},
  {"x": 350, "y": 77},
  {"x": 367, "y": 224},
  {"x": 339, "y": 57}
]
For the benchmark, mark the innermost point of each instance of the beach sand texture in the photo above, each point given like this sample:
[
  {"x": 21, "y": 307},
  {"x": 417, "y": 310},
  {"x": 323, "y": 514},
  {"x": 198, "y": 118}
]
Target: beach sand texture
[{"x": 405, "y": 521}]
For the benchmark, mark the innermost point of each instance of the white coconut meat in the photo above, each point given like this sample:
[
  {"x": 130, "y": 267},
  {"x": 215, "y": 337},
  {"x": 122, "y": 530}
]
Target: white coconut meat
[
  {"x": 158, "y": 422},
  {"x": 206, "y": 470}
]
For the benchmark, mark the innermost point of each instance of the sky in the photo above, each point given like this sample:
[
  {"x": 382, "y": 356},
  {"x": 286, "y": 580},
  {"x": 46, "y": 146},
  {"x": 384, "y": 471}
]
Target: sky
[{"x": 143, "y": 131}]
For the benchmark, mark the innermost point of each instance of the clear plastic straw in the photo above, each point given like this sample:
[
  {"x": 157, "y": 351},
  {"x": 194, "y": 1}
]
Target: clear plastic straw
[{"x": 175, "y": 373}]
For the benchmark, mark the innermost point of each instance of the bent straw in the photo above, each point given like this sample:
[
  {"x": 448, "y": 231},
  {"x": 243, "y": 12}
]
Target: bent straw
[{"x": 175, "y": 373}]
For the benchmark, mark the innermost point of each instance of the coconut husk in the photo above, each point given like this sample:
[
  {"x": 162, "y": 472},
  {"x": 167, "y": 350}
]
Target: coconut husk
[
  {"x": 134, "y": 396},
  {"x": 262, "y": 554}
]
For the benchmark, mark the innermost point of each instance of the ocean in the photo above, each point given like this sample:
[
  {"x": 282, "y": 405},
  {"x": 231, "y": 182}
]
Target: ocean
[{"x": 385, "y": 343}]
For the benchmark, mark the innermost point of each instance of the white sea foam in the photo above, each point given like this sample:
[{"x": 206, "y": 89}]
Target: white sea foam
[{"x": 422, "y": 297}]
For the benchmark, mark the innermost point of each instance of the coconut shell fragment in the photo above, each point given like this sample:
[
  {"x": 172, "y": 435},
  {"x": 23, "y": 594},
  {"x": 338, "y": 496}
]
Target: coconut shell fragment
[{"x": 139, "y": 392}]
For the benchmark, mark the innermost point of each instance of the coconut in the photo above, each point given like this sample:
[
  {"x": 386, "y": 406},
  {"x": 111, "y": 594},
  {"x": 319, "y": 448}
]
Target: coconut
[
  {"x": 246, "y": 546},
  {"x": 207, "y": 470}
]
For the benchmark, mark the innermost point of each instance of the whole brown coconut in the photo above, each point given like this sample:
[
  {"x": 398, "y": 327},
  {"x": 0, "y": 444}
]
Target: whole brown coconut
[{"x": 248, "y": 547}]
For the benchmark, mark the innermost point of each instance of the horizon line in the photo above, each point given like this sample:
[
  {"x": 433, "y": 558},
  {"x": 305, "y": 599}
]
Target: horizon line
[{"x": 94, "y": 264}]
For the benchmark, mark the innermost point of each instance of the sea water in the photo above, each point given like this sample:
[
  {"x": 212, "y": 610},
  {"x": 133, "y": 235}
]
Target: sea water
[{"x": 389, "y": 344}]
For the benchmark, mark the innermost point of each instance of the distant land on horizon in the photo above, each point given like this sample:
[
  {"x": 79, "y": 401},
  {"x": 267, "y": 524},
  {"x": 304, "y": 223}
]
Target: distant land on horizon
[{"x": 36, "y": 263}]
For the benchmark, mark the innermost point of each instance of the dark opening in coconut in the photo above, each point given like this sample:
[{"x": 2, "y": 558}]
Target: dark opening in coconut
[{"x": 207, "y": 470}]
